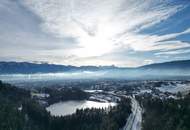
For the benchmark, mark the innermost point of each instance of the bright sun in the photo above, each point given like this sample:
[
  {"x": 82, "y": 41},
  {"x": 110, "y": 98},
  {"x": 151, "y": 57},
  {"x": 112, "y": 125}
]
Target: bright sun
[
  {"x": 98, "y": 44},
  {"x": 94, "y": 46}
]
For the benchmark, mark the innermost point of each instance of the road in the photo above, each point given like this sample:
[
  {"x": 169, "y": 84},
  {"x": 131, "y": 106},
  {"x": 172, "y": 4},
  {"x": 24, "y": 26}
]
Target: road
[{"x": 135, "y": 118}]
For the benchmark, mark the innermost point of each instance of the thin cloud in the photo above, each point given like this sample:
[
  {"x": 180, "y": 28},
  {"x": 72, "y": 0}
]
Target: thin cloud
[{"x": 86, "y": 29}]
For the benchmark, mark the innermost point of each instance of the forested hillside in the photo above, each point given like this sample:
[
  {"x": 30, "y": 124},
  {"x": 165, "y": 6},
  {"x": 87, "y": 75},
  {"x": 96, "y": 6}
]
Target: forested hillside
[
  {"x": 20, "y": 112},
  {"x": 167, "y": 114}
]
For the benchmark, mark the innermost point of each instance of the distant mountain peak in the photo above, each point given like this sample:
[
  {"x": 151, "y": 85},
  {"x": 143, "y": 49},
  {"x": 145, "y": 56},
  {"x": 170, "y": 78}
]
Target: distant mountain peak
[{"x": 29, "y": 68}]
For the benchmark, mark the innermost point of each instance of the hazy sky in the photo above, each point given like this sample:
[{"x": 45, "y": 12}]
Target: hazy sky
[{"x": 95, "y": 32}]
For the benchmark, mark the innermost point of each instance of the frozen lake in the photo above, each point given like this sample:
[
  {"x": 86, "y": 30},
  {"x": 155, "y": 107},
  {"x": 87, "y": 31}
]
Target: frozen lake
[{"x": 70, "y": 107}]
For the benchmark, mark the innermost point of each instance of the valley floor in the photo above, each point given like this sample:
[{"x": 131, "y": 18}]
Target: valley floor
[{"x": 138, "y": 103}]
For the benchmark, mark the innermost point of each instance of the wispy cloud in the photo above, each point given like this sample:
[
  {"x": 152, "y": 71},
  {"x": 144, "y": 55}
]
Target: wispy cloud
[{"x": 90, "y": 29}]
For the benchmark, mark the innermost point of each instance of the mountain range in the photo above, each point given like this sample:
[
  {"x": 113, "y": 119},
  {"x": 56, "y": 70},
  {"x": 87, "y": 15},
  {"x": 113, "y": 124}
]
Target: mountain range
[{"x": 181, "y": 67}]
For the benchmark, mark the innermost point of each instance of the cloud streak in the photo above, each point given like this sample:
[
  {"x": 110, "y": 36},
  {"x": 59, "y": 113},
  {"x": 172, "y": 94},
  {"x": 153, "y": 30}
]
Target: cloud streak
[{"x": 91, "y": 29}]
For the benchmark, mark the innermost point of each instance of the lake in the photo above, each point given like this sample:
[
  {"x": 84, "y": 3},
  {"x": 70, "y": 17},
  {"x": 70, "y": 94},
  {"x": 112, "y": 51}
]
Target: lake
[{"x": 70, "y": 107}]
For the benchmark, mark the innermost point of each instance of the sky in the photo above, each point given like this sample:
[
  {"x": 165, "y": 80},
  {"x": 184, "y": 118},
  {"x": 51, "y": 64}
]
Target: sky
[{"x": 126, "y": 33}]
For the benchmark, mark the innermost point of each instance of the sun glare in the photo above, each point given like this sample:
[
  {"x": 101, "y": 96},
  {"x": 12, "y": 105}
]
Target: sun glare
[{"x": 95, "y": 45}]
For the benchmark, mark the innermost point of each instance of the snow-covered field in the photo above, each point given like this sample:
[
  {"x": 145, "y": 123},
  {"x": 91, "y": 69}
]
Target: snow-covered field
[{"x": 175, "y": 88}]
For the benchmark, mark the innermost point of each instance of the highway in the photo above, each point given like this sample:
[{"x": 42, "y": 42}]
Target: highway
[{"x": 135, "y": 118}]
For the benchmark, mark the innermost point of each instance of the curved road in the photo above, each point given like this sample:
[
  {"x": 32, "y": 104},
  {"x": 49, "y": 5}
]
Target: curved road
[{"x": 135, "y": 119}]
